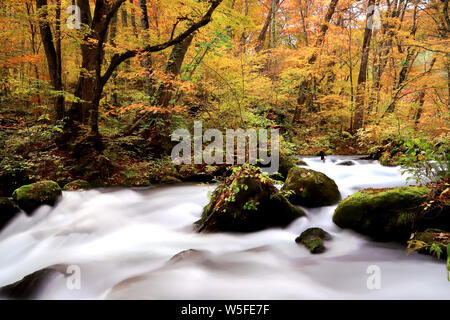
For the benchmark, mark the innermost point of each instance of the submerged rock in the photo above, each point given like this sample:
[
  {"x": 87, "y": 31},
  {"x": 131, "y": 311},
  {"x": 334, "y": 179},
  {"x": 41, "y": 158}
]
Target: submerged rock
[
  {"x": 389, "y": 214},
  {"x": 187, "y": 255},
  {"x": 345, "y": 163},
  {"x": 32, "y": 196},
  {"x": 7, "y": 211},
  {"x": 310, "y": 188},
  {"x": 77, "y": 185},
  {"x": 313, "y": 239},
  {"x": 245, "y": 202}
]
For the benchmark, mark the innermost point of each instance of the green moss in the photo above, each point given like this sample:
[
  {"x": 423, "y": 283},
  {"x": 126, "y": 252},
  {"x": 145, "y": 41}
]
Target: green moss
[
  {"x": 77, "y": 185},
  {"x": 313, "y": 239},
  {"x": 386, "y": 214},
  {"x": 30, "y": 197},
  {"x": 247, "y": 202},
  {"x": 311, "y": 188}
]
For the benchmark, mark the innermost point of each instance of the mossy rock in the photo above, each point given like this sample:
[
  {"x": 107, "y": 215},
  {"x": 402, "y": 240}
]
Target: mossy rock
[
  {"x": 29, "y": 287},
  {"x": 388, "y": 214},
  {"x": 77, "y": 185},
  {"x": 313, "y": 239},
  {"x": 32, "y": 196},
  {"x": 311, "y": 188},
  {"x": 7, "y": 211},
  {"x": 428, "y": 242},
  {"x": 301, "y": 163},
  {"x": 246, "y": 202}
]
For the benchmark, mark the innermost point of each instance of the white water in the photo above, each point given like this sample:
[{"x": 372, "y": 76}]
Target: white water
[{"x": 123, "y": 239}]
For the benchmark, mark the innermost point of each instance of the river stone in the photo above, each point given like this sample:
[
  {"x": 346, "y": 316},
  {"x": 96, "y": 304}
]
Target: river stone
[
  {"x": 345, "y": 163},
  {"x": 77, "y": 185},
  {"x": 311, "y": 188},
  {"x": 29, "y": 287},
  {"x": 245, "y": 202},
  {"x": 32, "y": 196},
  {"x": 7, "y": 211},
  {"x": 389, "y": 214},
  {"x": 313, "y": 239}
]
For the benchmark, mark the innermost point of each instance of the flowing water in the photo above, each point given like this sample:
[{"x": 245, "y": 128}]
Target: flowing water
[{"x": 122, "y": 241}]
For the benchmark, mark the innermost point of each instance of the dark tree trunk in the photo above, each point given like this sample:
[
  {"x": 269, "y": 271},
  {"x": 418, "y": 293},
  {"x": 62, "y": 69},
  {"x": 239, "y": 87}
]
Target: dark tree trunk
[
  {"x": 362, "y": 76},
  {"x": 263, "y": 34},
  {"x": 52, "y": 52},
  {"x": 91, "y": 80}
]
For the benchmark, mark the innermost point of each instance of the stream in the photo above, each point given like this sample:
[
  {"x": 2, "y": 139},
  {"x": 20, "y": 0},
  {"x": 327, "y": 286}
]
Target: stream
[{"x": 122, "y": 241}]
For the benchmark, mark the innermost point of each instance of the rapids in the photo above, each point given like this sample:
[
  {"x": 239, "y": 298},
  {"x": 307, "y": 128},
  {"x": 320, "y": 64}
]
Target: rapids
[{"x": 122, "y": 240}]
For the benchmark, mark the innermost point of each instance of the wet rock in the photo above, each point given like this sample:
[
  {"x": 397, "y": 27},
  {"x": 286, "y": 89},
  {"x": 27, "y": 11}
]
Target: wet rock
[
  {"x": 247, "y": 201},
  {"x": 313, "y": 239},
  {"x": 345, "y": 163},
  {"x": 32, "y": 196},
  {"x": 77, "y": 185},
  {"x": 310, "y": 188},
  {"x": 7, "y": 211},
  {"x": 389, "y": 214},
  {"x": 30, "y": 286}
]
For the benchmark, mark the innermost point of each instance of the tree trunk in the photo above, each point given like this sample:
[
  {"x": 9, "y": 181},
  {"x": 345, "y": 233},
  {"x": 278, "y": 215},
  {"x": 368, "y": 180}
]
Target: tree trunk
[
  {"x": 360, "y": 89},
  {"x": 263, "y": 34},
  {"x": 91, "y": 80},
  {"x": 52, "y": 53},
  {"x": 307, "y": 86},
  {"x": 303, "y": 14}
]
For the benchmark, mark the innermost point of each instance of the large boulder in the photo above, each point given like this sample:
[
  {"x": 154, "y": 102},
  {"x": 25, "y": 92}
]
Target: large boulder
[
  {"x": 7, "y": 211},
  {"x": 32, "y": 196},
  {"x": 77, "y": 185},
  {"x": 313, "y": 239},
  {"x": 389, "y": 214},
  {"x": 310, "y": 188},
  {"x": 247, "y": 201}
]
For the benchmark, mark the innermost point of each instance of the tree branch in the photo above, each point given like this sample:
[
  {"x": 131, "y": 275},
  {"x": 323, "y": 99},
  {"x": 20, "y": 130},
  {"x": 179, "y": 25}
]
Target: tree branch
[{"x": 117, "y": 59}]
